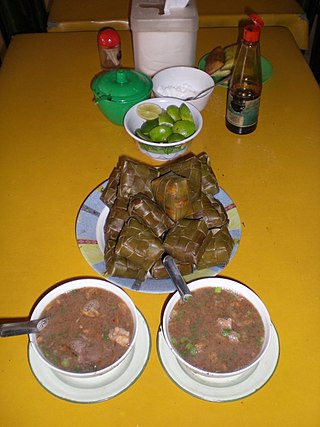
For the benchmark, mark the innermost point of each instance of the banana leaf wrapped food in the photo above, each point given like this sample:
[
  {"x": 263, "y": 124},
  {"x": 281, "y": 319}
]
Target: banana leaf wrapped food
[
  {"x": 138, "y": 244},
  {"x": 208, "y": 180},
  {"x": 109, "y": 248},
  {"x": 189, "y": 168},
  {"x": 128, "y": 178},
  {"x": 120, "y": 266},
  {"x": 211, "y": 210},
  {"x": 116, "y": 219},
  {"x": 158, "y": 270},
  {"x": 109, "y": 193},
  {"x": 150, "y": 214},
  {"x": 218, "y": 249},
  {"x": 185, "y": 241},
  {"x": 136, "y": 178},
  {"x": 166, "y": 209},
  {"x": 172, "y": 193}
]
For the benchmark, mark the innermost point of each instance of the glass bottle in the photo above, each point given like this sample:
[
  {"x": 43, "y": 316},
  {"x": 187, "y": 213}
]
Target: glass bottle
[
  {"x": 109, "y": 47},
  {"x": 245, "y": 87}
]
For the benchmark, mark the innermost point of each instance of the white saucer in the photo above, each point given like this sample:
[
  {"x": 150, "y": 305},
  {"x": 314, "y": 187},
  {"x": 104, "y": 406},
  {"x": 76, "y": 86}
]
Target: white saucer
[
  {"x": 105, "y": 390},
  {"x": 220, "y": 392}
]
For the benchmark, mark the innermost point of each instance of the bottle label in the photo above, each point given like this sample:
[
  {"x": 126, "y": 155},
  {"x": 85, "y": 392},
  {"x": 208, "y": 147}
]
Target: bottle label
[{"x": 242, "y": 113}]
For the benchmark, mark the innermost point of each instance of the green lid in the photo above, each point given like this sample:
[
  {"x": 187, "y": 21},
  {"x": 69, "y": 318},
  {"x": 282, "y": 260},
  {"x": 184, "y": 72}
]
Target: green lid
[{"x": 121, "y": 85}]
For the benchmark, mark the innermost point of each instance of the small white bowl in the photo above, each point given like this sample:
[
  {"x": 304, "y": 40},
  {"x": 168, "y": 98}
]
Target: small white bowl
[
  {"x": 182, "y": 82},
  {"x": 218, "y": 378},
  {"x": 162, "y": 151},
  {"x": 86, "y": 379}
]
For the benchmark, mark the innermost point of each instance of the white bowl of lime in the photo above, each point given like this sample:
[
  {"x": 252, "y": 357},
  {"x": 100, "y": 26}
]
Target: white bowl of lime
[{"x": 163, "y": 128}]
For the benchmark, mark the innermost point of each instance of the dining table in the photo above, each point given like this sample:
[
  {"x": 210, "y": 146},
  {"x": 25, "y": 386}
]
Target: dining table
[
  {"x": 57, "y": 148},
  {"x": 79, "y": 15}
]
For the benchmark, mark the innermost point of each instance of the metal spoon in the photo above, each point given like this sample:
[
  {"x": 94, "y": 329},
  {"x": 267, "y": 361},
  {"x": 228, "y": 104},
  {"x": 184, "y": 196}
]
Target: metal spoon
[
  {"x": 199, "y": 94},
  {"x": 22, "y": 328},
  {"x": 176, "y": 277}
]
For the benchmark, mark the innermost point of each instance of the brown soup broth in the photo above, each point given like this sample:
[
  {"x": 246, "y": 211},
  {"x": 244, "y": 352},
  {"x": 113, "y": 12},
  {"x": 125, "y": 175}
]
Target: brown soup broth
[
  {"x": 89, "y": 329},
  {"x": 216, "y": 330}
]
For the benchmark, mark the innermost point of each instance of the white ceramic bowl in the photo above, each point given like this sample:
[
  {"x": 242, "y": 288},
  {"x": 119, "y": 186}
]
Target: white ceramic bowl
[
  {"x": 181, "y": 82},
  {"x": 160, "y": 150},
  {"x": 75, "y": 378},
  {"x": 217, "y": 378}
]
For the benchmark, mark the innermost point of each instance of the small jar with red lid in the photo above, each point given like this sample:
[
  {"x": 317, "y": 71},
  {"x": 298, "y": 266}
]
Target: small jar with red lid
[{"x": 109, "y": 47}]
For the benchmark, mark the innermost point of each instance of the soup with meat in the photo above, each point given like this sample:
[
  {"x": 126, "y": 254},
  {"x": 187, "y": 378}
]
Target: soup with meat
[
  {"x": 89, "y": 329},
  {"x": 216, "y": 330}
]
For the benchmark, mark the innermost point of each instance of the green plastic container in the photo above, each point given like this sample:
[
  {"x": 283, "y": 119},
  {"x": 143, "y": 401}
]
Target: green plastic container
[{"x": 116, "y": 91}]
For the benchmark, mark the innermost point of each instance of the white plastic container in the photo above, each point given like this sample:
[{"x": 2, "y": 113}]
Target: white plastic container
[{"x": 163, "y": 40}]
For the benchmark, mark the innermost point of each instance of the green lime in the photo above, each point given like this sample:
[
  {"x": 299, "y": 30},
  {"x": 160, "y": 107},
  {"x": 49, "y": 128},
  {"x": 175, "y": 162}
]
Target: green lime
[
  {"x": 149, "y": 111},
  {"x": 165, "y": 119},
  {"x": 142, "y": 135},
  {"x": 148, "y": 125},
  {"x": 160, "y": 133},
  {"x": 175, "y": 137},
  {"x": 184, "y": 127},
  {"x": 185, "y": 113},
  {"x": 174, "y": 112}
]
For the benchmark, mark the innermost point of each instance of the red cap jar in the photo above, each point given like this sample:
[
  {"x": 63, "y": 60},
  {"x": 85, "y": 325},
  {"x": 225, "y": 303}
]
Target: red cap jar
[{"x": 109, "y": 46}]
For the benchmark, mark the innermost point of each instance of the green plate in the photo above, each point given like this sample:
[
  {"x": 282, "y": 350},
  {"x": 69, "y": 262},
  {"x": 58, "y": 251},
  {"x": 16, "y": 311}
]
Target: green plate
[{"x": 265, "y": 66}]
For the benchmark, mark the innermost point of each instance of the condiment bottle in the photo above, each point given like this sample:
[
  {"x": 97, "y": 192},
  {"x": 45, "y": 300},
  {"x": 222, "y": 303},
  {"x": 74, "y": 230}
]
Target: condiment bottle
[
  {"x": 243, "y": 100},
  {"x": 109, "y": 46}
]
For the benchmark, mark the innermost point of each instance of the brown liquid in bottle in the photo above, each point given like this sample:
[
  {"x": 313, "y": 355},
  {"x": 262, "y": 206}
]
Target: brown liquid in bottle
[{"x": 240, "y": 97}]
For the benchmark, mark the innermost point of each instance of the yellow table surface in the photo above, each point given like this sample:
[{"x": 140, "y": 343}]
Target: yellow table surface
[
  {"x": 73, "y": 15},
  {"x": 56, "y": 147}
]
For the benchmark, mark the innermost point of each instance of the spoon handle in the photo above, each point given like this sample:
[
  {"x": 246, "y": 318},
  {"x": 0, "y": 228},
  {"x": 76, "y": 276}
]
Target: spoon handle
[
  {"x": 199, "y": 94},
  {"x": 176, "y": 277},
  {"x": 223, "y": 80},
  {"x": 22, "y": 328}
]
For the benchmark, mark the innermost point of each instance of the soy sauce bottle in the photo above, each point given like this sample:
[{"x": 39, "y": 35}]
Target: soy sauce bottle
[{"x": 243, "y": 100}]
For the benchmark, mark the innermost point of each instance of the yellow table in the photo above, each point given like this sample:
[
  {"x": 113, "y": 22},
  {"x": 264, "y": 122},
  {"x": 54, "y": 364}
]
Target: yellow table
[
  {"x": 92, "y": 15},
  {"x": 56, "y": 147}
]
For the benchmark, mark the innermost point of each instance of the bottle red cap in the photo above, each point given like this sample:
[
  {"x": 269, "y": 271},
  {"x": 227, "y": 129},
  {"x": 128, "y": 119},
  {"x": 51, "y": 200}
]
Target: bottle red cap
[
  {"x": 252, "y": 31},
  {"x": 109, "y": 38}
]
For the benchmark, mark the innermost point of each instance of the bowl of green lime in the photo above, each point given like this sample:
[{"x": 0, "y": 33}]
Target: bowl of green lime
[{"x": 163, "y": 128}]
